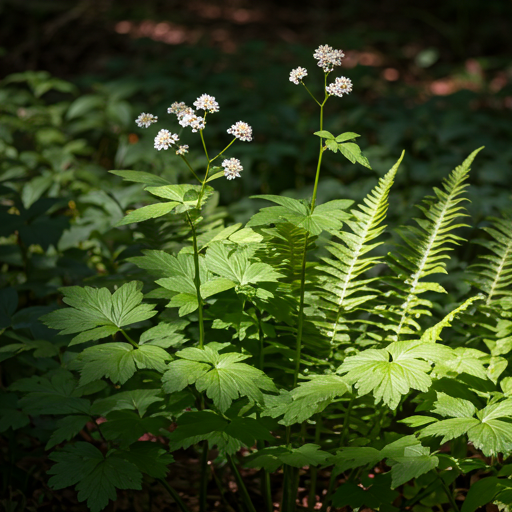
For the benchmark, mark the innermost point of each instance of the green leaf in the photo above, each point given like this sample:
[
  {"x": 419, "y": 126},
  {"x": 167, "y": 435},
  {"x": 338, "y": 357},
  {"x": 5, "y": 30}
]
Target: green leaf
[
  {"x": 480, "y": 493},
  {"x": 378, "y": 495},
  {"x": 347, "y": 136},
  {"x": 313, "y": 396},
  {"x": 96, "y": 477},
  {"x": 372, "y": 371},
  {"x": 415, "y": 462},
  {"x": 8, "y": 306},
  {"x": 223, "y": 376},
  {"x": 271, "y": 458},
  {"x": 352, "y": 152},
  {"x": 96, "y": 313},
  {"x": 433, "y": 334},
  {"x": 118, "y": 361},
  {"x": 151, "y": 458},
  {"x": 487, "y": 433},
  {"x": 10, "y": 415},
  {"x": 136, "y": 399},
  {"x": 215, "y": 176},
  {"x": 126, "y": 427},
  {"x": 152, "y": 211},
  {"x": 194, "y": 427},
  {"x": 328, "y": 216},
  {"x": 216, "y": 286},
  {"x": 233, "y": 263},
  {"x": 324, "y": 134},
  {"x": 67, "y": 428},
  {"x": 54, "y": 395},
  {"x": 142, "y": 177}
]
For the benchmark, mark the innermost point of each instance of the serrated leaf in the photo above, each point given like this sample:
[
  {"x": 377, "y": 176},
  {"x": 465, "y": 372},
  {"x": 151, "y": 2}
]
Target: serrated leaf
[
  {"x": 54, "y": 395},
  {"x": 272, "y": 457},
  {"x": 378, "y": 495},
  {"x": 96, "y": 313},
  {"x": 372, "y": 371},
  {"x": 10, "y": 415},
  {"x": 67, "y": 428},
  {"x": 433, "y": 334},
  {"x": 118, "y": 361},
  {"x": 313, "y": 396},
  {"x": 223, "y": 376},
  {"x": 486, "y": 432},
  {"x": 152, "y": 211},
  {"x": 151, "y": 458},
  {"x": 135, "y": 399},
  {"x": 126, "y": 427},
  {"x": 96, "y": 477},
  {"x": 234, "y": 264},
  {"x": 142, "y": 177},
  {"x": 328, "y": 216}
]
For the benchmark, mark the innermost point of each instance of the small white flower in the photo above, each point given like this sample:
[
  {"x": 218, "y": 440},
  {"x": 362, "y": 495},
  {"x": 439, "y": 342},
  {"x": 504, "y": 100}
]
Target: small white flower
[
  {"x": 165, "y": 139},
  {"x": 297, "y": 74},
  {"x": 327, "y": 57},
  {"x": 339, "y": 87},
  {"x": 190, "y": 119},
  {"x": 177, "y": 108},
  {"x": 182, "y": 150},
  {"x": 232, "y": 168},
  {"x": 145, "y": 120},
  {"x": 207, "y": 103},
  {"x": 241, "y": 131}
]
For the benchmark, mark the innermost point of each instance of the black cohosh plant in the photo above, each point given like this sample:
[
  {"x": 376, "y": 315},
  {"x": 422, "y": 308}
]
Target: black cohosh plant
[{"x": 317, "y": 359}]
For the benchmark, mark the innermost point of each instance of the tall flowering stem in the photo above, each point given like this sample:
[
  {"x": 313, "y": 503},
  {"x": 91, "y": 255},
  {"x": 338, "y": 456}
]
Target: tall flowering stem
[
  {"x": 197, "y": 282},
  {"x": 300, "y": 323}
]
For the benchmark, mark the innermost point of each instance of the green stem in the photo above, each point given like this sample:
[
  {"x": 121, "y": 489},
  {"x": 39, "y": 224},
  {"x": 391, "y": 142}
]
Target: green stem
[
  {"x": 190, "y": 167},
  {"x": 314, "y": 470},
  {"x": 317, "y": 176},
  {"x": 175, "y": 496},
  {"x": 300, "y": 323},
  {"x": 225, "y": 149},
  {"x": 204, "y": 145},
  {"x": 197, "y": 282},
  {"x": 129, "y": 339},
  {"x": 449, "y": 494},
  {"x": 203, "y": 484},
  {"x": 289, "y": 489},
  {"x": 344, "y": 432},
  {"x": 241, "y": 486},
  {"x": 310, "y": 93}
]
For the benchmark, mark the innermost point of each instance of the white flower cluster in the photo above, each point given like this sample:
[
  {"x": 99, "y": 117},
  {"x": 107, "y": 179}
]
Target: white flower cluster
[
  {"x": 232, "y": 168},
  {"x": 165, "y": 139},
  {"x": 145, "y": 120},
  {"x": 327, "y": 57},
  {"x": 207, "y": 103},
  {"x": 187, "y": 115},
  {"x": 177, "y": 107},
  {"x": 241, "y": 131},
  {"x": 339, "y": 87},
  {"x": 297, "y": 74},
  {"x": 182, "y": 150},
  {"x": 190, "y": 119}
]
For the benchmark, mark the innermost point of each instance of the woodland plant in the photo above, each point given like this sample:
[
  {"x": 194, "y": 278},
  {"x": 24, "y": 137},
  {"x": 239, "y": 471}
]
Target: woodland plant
[{"x": 301, "y": 345}]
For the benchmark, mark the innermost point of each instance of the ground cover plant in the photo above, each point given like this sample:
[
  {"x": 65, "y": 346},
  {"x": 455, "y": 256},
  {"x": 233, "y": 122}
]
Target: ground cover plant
[{"x": 305, "y": 358}]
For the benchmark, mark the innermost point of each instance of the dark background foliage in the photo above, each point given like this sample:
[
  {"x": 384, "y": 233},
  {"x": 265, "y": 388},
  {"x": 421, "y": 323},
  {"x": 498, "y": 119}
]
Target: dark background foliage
[{"x": 433, "y": 79}]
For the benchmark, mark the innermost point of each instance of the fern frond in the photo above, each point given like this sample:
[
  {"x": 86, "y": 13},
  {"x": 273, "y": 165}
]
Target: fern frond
[
  {"x": 346, "y": 292},
  {"x": 493, "y": 272},
  {"x": 424, "y": 252}
]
